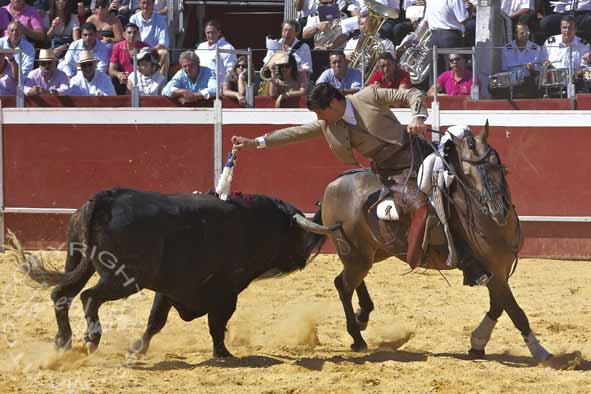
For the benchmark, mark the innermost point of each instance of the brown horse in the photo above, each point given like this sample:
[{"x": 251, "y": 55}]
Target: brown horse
[{"x": 481, "y": 217}]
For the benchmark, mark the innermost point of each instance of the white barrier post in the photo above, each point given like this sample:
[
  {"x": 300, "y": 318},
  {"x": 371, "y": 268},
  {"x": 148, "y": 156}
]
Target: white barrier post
[
  {"x": 135, "y": 90},
  {"x": 20, "y": 92},
  {"x": 217, "y": 123},
  {"x": 435, "y": 104}
]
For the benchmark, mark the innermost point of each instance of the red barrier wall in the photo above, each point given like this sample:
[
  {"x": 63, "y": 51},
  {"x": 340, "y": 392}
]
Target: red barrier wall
[{"x": 61, "y": 165}]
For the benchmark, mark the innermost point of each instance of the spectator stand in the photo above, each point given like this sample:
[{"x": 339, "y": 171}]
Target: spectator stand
[{"x": 20, "y": 92}]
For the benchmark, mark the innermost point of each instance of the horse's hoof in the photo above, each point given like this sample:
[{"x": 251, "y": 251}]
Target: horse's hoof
[
  {"x": 90, "y": 347},
  {"x": 476, "y": 354},
  {"x": 362, "y": 325},
  {"x": 222, "y": 354},
  {"x": 359, "y": 346},
  {"x": 139, "y": 347},
  {"x": 63, "y": 344}
]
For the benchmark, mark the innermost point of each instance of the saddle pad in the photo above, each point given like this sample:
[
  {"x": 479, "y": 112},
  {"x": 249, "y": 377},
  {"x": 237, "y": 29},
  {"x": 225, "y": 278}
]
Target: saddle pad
[{"x": 386, "y": 210}]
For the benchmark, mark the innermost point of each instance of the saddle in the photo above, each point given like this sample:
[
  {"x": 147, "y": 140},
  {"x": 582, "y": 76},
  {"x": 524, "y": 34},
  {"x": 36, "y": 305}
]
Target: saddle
[{"x": 389, "y": 210}]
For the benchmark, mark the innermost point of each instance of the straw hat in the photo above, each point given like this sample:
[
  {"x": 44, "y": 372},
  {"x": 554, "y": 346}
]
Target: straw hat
[
  {"x": 145, "y": 52},
  {"x": 87, "y": 57},
  {"x": 46, "y": 55}
]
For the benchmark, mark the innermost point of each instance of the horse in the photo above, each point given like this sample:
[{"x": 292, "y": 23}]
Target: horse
[{"x": 481, "y": 216}]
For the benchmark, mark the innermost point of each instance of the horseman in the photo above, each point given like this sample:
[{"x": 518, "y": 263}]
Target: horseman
[{"x": 364, "y": 122}]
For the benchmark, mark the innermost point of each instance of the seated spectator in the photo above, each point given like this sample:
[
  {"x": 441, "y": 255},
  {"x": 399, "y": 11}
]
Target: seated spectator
[
  {"x": 285, "y": 81},
  {"x": 521, "y": 54},
  {"x": 192, "y": 82},
  {"x": 88, "y": 42},
  {"x": 388, "y": 74},
  {"x": 289, "y": 43},
  {"x": 550, "y": 25},
  {"x": 454, "y": 82},
  {"x": 236, "y": 80},
  {"x": 321, "y": 22},
  {"x": 556, "y": 50},
  {"x": 519, "y": 10},
  {"x": 90, "y": 81},
  {"x": 46, "y": 79},
  {"x": 348, "y": 80},
  {"x": 15, "y": 39},
  {"x": 352, "y": 43},
  {"x": 62, "y": 26},
  {"x": 153, "y": 31},
  {"x": 121, "y": 62},
  {"x": 161, "y": 7},
  {"x": 206, "y": 50},
  {"x": 150, "y": 81},
  {"x": 8, "y": 69},
  {"x": 27, "y": 17},
  {"x": 108, "y": 26}
]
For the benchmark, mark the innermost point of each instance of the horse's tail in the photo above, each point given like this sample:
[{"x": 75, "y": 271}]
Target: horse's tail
[{"x": 514, "y": 265}]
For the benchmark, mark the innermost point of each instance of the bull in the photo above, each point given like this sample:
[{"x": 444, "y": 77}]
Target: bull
[{"x": 195, "y": 251}]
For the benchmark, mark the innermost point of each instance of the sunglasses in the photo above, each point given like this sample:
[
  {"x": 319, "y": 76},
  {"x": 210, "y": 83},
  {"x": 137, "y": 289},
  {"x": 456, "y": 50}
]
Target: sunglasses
[
  {"x": 86, "y": 65},
  {"x": 241, "y": 66},
  {"x": 455, "y": 59}
]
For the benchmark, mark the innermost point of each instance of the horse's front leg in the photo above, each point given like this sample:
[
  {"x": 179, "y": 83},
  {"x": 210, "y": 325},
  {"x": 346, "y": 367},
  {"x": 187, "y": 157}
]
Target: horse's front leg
[
  {"x": 481, "y": 335},
  {"x": 365, "y": 306},
  {"x": 500, "y": 290}
]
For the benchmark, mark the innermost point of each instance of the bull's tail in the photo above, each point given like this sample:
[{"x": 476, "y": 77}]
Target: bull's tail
[{"x": 40, "y": 270}]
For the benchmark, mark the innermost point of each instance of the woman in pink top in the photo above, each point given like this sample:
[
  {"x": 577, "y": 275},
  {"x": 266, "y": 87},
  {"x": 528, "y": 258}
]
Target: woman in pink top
[{"x": 455, "y": 82}]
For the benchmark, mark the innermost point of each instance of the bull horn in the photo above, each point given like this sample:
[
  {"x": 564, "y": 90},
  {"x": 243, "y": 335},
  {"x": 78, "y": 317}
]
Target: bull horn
[{"x": 312, "y": 227}]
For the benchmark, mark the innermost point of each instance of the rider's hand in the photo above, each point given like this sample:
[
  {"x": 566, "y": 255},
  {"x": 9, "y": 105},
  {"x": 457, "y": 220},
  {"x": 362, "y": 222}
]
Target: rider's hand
[
  {"x": 243, "y": 142},
  {"x": 417, "y": 126}
]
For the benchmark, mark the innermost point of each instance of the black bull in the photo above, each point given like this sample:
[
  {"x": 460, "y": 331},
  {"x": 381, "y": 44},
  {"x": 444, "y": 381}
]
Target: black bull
[{"x": 195, "y": 251}]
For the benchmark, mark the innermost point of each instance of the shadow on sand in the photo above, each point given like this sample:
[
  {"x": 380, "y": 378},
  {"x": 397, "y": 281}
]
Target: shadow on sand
[{"x": 233, "y": 362}]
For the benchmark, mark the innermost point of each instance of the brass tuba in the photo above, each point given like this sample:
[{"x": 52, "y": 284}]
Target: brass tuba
[
  {"x": 327, "y": 37},
  {"x": 417, "y": 58},
  {"x": 369, "y": 43}
]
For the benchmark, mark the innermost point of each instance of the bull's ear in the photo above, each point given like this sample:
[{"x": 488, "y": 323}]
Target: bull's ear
[{"x": 483, "y": 137}]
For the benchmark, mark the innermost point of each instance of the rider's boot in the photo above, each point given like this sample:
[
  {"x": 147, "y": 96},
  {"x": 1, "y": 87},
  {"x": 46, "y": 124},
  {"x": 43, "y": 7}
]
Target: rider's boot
[
  {"x": 474, "y": 272},
  {"x": 416, "y": 230}
]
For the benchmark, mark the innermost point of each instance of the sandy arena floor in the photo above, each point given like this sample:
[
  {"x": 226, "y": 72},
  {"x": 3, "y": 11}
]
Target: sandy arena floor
[{"x": 289, "y": 337}]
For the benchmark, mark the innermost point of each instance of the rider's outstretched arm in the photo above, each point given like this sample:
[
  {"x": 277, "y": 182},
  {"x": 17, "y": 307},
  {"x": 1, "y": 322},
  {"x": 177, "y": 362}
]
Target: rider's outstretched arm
[{"x": 280, "y": 137}]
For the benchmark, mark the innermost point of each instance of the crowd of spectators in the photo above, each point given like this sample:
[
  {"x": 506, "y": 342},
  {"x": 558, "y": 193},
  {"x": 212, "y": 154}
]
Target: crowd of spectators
[{"x": 88, "y": 49}]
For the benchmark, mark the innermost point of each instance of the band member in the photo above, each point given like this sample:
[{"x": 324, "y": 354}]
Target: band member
[
  {"x": 364, "y": 122},
  {"x": 522, "y": 54}
]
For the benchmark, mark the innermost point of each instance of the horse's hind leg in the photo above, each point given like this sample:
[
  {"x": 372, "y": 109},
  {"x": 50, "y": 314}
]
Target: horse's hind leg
[
  {"x": 355, "y": 268},
  {"x": 481, "y": 335},
  {"x": 500, "y": 290},
  {"x": 365, "y": 306},
  {"x": 63, "y": 295}
]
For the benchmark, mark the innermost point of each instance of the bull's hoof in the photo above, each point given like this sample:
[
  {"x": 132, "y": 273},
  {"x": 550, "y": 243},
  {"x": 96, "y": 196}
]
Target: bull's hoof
[
  {"x": 476, "y": 354},
  {"x": 63, "y": 344},
  {"x": 359, "y": 346},
  {"x": 139, "y": 347},
  {"x": 90, "y": 347}
]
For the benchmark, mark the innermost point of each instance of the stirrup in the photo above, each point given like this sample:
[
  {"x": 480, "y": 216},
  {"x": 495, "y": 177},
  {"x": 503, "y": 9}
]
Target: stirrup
[{"x": 482, "y": 280}]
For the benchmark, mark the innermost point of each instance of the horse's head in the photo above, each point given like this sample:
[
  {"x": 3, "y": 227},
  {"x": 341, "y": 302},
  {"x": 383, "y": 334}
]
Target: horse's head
[{"x": 484, "y": 174}]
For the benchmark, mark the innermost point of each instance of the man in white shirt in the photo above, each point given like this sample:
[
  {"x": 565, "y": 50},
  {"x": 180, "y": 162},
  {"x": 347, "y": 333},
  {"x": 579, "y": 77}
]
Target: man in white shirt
[
  {"x": 88, "y": 42},
  {"x": 299, "y": 49},
  {"x": 566, "y": 50},
  {"x": 550, "y": 24},
  {"x": 15, "y": 39},
  {"x": 153, "y": 31},
  {"x": 445, "y": 18},
  {"x": 206, "y": 50},
  {"x": 89, "y": 81}
]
